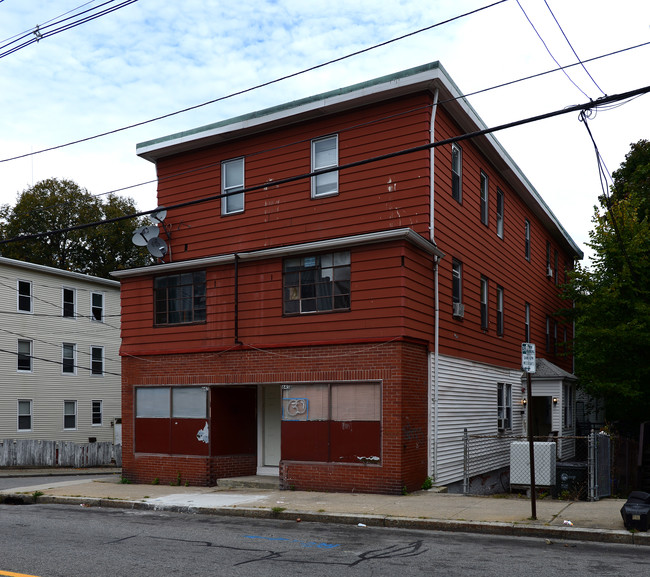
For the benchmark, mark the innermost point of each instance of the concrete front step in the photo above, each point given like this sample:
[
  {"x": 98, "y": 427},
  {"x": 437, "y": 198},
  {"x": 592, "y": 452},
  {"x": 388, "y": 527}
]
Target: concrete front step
[{"x": 251, "y": 482}]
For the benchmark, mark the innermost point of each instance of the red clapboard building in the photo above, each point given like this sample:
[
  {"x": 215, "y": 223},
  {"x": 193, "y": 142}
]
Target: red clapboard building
[{"x": 340, "y": 330}]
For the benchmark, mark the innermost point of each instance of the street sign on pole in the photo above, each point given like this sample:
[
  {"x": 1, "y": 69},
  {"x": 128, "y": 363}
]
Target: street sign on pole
[{"x": 528, "y": 357}]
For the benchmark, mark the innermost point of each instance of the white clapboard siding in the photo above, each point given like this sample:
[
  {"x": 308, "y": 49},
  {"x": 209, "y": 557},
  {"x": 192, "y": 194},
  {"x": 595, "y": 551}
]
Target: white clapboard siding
[
  {"x": 46, "y": 386},
  {"x": 468, "y": 400}
]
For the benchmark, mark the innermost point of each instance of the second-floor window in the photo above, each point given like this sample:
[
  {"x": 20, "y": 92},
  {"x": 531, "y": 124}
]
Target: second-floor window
[
  {"x": 527, "y": 239},
  {"x": 484, "y": 198},
  {"x": 316, "y": 283},
  {"x": 180, "y": 298},
  {"x": 500, "y": 212},
  {"x": 97, "y": 361},
  {"x": 499, "y": 303},
  {"x": 25, "y": 296},
  {"x": 68, "y": 303},
  {"x": 232, "y": 180},
  {"x": 69, "y": 358},
  {"x": 456, "y": 172},
  {"x": 24, "y": 355},
  {"x": 484, "y": 303},
  {"x": 527, "y": 323},
  {"x": 325, "y": 154}
]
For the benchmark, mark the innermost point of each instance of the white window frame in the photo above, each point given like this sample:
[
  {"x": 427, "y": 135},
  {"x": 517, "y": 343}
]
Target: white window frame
[
  {"x": 31, "y": 356},
  {"x": 31, "y": 415},
  {"x": 500, "y": 311},
  {"x": 93, "y": 349},
  {"x": 74, "y": 302},
  {"x": 527, "y": 239},
  {"x": 328, "y": 179},
  {"x": 484, "y": 293},
  {"x": 485, "y": 199},
  {"x": 93, "y": 307},
  {"x": 501, "y": 209},
  {"x": 93, "y": 413},
  {"x": 456, "y": 280},
  {"x": 66, "y": 404},
  {"x": 504, "y": 406},
  {"x": 457, "y": 172},
  {"x": 567, "y": 406},
  {"x": 20, "y": 295},
  {"x": 228, "y": 188},
  {"x": 66, "y": 347},
  {"x": 527, "y": 322}
]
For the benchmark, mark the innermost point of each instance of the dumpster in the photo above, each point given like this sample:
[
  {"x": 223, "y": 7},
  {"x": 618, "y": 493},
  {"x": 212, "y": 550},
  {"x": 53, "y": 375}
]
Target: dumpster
[
  {"x": 571, "y": 480},
  {"x": 636, "y": 510}
]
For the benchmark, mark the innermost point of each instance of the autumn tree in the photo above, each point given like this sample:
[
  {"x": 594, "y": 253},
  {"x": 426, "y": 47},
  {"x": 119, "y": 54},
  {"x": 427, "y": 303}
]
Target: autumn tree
[{"x": 54, "y": 204}]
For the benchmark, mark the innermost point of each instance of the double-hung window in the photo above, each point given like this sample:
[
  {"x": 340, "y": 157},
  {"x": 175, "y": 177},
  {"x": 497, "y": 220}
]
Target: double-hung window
[
  {"x": 232, "y": 181},
  {"x": 456, "y": 172},
  {"x": 527, "y": 239},
  {"x": 96, "y": 413},
  {"x": 567, "y": 406},
  {"x": 180, "y": 298},
  {"x": 504, "y": 406},
  {"x": 97, "y": 361},
  {"x": 527, "y": 323},
  {"x": 499, "y": 310},
  {"x": 69, "y": 415},
  {"x": 97, "y": 307},
  {"x": 484, "y": 303},
  {"x": 316, "y": 283},
  {"x": 500, "y": 212},
  {"x": 24, "y": 414},
  {"x": 25, "y": 296},
  {"x": 69, "y": 358},
  {"x": 24, "y": 355},
  {"x": 68, "y": 304},
  {"x": 325, "y": 154},
  {"x": 484, "y": 199},
  {"x": 457, "y": 288}
]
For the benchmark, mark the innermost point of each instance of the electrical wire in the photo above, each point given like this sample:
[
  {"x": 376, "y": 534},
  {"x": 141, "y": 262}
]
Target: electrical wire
[
  {"x": 466, "y": 136},
  {"x": 60, "y": 363}
]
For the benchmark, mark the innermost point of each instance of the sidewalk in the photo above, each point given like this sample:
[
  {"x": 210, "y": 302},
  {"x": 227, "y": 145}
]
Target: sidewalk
[{"x": 591, "y": 521}]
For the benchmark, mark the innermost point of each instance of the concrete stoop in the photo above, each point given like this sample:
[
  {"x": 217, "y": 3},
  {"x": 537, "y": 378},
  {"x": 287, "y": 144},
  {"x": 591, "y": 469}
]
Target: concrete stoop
[{"x": 250, "y": 482}]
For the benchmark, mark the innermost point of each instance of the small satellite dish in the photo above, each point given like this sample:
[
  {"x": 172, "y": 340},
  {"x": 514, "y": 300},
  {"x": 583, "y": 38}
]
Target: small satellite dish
[
  {"x": 160, "y": 214},
  {"x": 157, "y": 247},
  {"x": 143, "y": 234}
]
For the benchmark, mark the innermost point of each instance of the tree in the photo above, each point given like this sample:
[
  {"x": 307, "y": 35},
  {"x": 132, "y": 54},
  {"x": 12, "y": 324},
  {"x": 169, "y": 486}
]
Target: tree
[
  {"x": 612, "y": 299},
  {"x": 54, "y": 204}
]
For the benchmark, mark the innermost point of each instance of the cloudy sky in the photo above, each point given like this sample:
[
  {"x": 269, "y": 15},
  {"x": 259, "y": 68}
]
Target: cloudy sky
[{"x": 155, "y": 57}]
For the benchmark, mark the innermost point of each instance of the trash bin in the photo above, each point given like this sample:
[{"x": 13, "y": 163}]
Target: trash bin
[
  {"x": 636, "y": 510},
  {"x": 571, "y": 480}
]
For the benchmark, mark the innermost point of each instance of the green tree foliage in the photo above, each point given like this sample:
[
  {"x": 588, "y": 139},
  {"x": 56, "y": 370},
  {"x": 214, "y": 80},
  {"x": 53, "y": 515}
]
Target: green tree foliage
[
  {"x": 612, "y": 298},
  {"x": 54, "y": 204}
]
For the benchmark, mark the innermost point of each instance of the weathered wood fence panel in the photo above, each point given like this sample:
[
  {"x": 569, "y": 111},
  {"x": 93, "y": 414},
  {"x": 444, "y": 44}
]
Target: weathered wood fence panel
[{"x": 36, "y": 453}]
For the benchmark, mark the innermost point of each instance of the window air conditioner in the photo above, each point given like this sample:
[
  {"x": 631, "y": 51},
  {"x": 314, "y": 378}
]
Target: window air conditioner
[
  {"x": 459, "y": 310},
  {"x": 549, "y": 272}
]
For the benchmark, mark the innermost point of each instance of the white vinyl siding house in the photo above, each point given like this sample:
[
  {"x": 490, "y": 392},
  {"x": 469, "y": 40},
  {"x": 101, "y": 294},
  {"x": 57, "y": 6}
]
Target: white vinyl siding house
[{"x": 59, "y": 367}]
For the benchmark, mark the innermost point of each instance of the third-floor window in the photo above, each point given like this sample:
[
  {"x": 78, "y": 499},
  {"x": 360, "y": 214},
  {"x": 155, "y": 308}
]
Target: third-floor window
[
  {"x": 456, "y": 172},
  {"x": 484, "y": 198},
  {"x": 232, "y": 180},
  {"x": 325, "y": 154}
]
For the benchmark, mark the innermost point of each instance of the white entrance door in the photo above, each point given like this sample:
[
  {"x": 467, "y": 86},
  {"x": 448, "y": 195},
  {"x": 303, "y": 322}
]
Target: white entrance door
[{"x": 269, "y": 422}]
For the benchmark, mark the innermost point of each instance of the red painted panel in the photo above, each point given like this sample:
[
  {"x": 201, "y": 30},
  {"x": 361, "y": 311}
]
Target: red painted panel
[
  {"x": 184, "y": 437},
  {"x": 152, "y": 436},
  {"x": 305, "y": 441},
  {"x": 352, "y": 440},
  {"x": 233, "y": 421}
]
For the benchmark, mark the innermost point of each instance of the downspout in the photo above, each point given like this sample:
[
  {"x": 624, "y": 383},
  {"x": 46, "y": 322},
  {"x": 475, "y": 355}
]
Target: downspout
[
  {"x": 237, "y": 341},
  {"x": 436, "y": 320}
]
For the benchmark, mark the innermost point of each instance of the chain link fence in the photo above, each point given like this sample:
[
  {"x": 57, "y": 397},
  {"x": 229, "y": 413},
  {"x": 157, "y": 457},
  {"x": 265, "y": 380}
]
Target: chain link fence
[{"x": 565, "y": 467}]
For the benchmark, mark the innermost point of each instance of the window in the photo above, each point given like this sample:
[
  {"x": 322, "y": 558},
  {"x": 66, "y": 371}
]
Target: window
[
  {"x": 555, "y": 267},
  {"x": 317, "y": 283},
  {"x": 176, "y": 402},
  {"x": 325, "y": 154},
  {"x": 500, "y": 211},
  {"x": 68, "y": 306},
  {"x": 97, "y": 307},
  {"x": 97, "y": 361},
  {"x": 69, "y": 415},
  {"x": 484, "y": 198},
  {"x": 484, "y": 303},
  {"x": 549, "y": 270},
  {"x": 96, "y": 414},
  {"x": 180, "y": 298},
  {"x": 548, "y": 334},
  {"x": 24, "y": 415},
  {"x": 504, "y": 406},
  {"x": 457, "y": 286},
  {"x": 456, "y": 172},
  {"x": 527, "y": 239},
  {"x": 232, "y": 180},
  {"x": 69, "y": 358},
  {"x": 499, "y": 310},
  {"x": 567, "y": 405},
  {"x": 24, "y": 355},
  {"x": 25, "y": 296},
  {"x": 527, "y": 323},
  {"x": 554, "y": 343}
]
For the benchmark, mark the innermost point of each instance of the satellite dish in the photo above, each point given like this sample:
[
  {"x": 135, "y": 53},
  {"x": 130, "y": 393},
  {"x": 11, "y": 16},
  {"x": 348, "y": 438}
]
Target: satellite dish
[
  {"x": 157, "y": 247},
  {"x": 143, "y": 234},
  {"x": 160, "y": 214}
]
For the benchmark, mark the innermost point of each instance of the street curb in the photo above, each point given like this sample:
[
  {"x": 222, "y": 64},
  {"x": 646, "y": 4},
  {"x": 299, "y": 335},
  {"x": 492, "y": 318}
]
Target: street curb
[{"x": 549, "y": 533}]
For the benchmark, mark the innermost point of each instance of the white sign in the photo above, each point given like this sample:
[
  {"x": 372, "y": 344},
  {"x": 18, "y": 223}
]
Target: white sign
[{"x": 528, "y": 357}]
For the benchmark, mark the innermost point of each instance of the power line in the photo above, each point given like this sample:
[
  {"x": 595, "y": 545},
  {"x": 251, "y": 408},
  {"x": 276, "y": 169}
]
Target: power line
[
  {"x": 256, "y": 87},
  {"x": 575, "y": 108}
]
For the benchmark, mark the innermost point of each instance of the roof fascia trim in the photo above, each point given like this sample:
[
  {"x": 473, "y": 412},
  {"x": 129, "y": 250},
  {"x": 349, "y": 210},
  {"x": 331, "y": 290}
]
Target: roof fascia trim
[{"x": 43, "y": 269}]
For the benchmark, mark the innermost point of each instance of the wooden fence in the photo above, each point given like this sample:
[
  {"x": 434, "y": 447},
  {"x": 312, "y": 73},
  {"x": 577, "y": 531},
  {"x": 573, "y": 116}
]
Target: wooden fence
[{"x": 35, "y": 453}]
